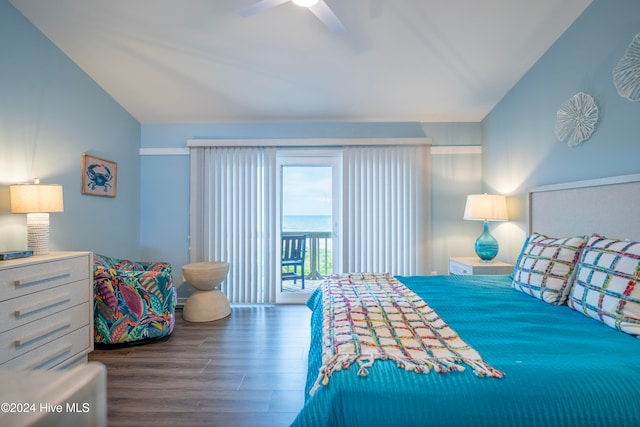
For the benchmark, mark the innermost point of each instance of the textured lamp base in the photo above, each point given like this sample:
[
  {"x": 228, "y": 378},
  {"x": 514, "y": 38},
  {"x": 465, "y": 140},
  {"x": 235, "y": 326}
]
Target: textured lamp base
[
  {"x": 486, "y": 245},
  {"x": 38, "y": 233}
]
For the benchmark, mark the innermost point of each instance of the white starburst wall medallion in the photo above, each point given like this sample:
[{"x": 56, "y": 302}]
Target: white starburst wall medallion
[
  {"x": 576, "y": 119},
  {"x": 626, "y": 74}
]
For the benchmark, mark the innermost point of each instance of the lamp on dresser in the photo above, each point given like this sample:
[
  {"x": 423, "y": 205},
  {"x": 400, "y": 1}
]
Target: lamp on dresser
[
  {"x": 37, "y": 201},
  {"x": 486, "y": 207}
]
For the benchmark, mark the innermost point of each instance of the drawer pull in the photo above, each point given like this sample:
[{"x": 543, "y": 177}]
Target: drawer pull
[
  {"x": 42, "y": 334},
  {"x": 48, "y": 358},
  {"x": 43, "y": 305},
  {"x": 42, "y": 278}
]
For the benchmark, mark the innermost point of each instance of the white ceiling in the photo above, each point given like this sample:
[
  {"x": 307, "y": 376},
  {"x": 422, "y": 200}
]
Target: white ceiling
[{"x": 188, "y": 61}]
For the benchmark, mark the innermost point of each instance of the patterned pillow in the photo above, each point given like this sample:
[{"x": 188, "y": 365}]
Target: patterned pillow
[
  {"x": 606, "y": 286},
  {"x": 515, "y": 267},
  {"x": 546, "y": 265}
]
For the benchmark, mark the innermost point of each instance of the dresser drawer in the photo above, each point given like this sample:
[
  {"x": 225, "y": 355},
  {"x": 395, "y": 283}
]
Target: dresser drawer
[
  {"x": 19, "y": 311},
  {"x": 459, "y": 269},
  {"x": 37, "y": 276},
  {"x": 33, "y": 335},
  {"x": 60, "y": 351}
]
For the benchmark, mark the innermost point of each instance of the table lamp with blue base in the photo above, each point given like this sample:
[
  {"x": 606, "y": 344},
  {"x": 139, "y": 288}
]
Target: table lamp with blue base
[{"x": 486, "y": 207}]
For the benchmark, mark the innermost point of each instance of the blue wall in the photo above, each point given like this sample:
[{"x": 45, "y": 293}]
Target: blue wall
[
  {"x": 50, "y": 113},
  {"x": 520, "y": 149}
]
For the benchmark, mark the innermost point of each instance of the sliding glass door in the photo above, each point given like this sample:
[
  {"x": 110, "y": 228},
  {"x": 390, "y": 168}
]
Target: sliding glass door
[
  {"x": 359, "y": 207},
  {"x": 309, "y": 220}
]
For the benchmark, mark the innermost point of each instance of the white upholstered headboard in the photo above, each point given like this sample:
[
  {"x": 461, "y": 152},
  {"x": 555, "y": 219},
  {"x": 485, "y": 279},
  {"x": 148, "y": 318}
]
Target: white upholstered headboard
[{"x": 608, "y": 206}]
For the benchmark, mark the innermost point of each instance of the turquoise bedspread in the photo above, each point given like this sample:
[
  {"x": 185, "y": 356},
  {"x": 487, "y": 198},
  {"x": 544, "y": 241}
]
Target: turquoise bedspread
[{"x": 562, "y": 368}]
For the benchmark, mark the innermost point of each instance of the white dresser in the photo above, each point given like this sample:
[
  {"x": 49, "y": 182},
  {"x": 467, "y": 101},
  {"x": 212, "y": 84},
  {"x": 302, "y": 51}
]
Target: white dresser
[{"x": 46, "y": 311}]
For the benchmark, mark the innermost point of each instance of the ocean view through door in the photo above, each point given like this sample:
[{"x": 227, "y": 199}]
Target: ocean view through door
[{"x": 309, "y": 221}]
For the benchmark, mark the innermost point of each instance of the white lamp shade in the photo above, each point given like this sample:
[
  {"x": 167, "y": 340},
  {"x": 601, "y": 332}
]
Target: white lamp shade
[
  {"x": 36, "y": 198},
  {"x": 486, "y": 207}
]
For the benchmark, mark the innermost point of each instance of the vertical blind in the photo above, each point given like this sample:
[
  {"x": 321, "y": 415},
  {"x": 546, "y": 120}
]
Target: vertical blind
[
  {"x": 233, "y": 218},
  {"x": 386, "y": 213},
  {"x": 386, "y": 209}
]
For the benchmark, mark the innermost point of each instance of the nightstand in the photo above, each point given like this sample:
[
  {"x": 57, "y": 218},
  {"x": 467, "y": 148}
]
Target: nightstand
[{"x": 473, "y": 265}]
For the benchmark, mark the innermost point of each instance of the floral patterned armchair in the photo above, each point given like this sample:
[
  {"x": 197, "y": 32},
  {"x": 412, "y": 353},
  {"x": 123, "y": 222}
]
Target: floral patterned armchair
[{"x": 134, "y": 301}]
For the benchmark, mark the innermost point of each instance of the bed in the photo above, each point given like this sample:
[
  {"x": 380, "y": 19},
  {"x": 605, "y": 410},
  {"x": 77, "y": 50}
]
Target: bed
[{"x": 566, "y": 359}]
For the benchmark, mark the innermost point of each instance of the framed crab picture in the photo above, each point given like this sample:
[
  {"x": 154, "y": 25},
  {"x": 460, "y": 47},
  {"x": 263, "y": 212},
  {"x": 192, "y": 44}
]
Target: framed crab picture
[{"x": 99, "y": 176}]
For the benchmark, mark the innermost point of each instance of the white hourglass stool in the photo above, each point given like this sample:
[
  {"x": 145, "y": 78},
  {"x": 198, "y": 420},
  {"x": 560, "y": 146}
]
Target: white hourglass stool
[{"x": 207, "y": 303}]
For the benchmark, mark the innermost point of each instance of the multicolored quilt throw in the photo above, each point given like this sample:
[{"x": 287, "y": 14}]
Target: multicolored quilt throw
[{"x": 372, "y": 316}]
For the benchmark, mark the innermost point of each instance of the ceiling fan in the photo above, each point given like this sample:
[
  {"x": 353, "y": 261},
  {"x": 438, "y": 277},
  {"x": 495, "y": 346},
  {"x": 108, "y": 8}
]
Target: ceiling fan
[{"x": 318, "y": 7}]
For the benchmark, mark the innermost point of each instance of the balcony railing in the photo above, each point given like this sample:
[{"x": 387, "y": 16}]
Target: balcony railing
[{"x": 318, "y": 258}]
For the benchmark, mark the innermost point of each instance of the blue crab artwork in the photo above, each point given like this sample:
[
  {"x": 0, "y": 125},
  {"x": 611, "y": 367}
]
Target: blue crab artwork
[{"x": 99, "y": 176}]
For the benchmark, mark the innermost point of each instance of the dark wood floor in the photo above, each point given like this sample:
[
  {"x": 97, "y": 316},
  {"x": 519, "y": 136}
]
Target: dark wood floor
[{"x": 248, "y": 369}]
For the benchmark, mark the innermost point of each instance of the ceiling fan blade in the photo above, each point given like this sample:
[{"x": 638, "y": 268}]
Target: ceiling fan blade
[
  {"x": 260, "y": 6},
  {"x": 328, "y": 18}
]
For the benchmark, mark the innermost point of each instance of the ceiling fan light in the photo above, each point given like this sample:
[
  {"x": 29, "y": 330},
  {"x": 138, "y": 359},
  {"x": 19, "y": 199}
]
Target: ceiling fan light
[{"x": 305, "y": 3}]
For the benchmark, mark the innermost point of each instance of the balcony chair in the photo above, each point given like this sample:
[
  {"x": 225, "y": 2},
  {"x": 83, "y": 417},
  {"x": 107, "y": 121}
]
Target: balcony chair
[
  {"x": 134, "y": 301},
  {"x": 293, "y": 251}
]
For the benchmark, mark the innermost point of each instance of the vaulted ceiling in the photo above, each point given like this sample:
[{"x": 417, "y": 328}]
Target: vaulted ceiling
[{"x": 188, "y": 61}]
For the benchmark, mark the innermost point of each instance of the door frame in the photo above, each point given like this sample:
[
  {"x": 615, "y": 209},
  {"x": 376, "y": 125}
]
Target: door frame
[{"x": 331, "y": 157}]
